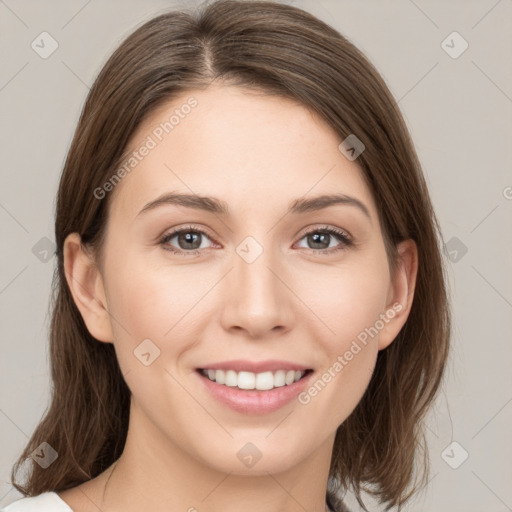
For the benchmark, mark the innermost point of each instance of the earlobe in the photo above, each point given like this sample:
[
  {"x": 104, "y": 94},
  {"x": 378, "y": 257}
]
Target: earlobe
[
  {"x": 401, "y": 293},
  {"x": 86, "y": 286}
]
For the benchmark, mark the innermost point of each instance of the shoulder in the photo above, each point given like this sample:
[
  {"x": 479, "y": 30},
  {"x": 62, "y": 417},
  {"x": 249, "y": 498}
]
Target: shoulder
[{"x": 45, "y": 502}]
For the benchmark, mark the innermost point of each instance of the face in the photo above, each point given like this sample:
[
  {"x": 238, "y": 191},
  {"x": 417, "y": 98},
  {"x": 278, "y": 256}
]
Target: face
[{"x": 266, "y": 275}]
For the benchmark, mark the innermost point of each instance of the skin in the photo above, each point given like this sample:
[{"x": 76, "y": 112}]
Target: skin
[{"x": 257, "y": 153}]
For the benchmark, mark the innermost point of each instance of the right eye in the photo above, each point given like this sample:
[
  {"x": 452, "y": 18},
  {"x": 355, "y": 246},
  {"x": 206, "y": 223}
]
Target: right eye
[{"x": 187, "y": 237}]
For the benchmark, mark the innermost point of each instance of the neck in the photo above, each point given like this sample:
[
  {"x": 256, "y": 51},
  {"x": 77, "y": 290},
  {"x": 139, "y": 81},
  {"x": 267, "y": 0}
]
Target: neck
[{"x": 154, "y": 473}]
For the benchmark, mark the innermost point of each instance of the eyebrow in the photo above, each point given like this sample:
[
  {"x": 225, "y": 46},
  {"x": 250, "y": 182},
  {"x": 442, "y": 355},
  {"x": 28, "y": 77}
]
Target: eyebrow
[{"x": 214, "y": 205}]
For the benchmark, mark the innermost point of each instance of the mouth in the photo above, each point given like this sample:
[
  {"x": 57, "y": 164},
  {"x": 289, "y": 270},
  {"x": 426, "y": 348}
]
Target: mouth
[
  {"x": 255, "y": 393},
  {"x": 247, "y": 381}
]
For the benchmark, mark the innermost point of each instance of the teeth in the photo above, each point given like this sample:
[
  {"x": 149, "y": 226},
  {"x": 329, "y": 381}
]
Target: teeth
[{"x": 249, "y": 380}]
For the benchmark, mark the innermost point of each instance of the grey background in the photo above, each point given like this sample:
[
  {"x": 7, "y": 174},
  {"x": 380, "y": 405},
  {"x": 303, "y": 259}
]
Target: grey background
[{"x": 459, "y": 113}]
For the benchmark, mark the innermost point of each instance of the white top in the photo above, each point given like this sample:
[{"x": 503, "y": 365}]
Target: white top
[{"x": 45, "y": 502}]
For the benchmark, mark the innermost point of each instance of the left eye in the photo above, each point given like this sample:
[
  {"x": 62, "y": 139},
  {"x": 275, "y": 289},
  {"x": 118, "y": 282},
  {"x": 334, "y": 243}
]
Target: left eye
[{"x": 319, "y": 236}]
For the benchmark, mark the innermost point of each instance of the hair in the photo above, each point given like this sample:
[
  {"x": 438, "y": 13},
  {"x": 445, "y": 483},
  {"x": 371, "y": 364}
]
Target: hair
[{"x": 279, "y": 50}]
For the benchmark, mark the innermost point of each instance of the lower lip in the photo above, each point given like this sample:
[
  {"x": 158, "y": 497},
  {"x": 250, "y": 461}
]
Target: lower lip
[{"x": 255, "y": 401}]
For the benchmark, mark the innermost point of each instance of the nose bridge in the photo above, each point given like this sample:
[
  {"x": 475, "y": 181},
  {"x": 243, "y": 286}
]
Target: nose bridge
[
  {"x": 257, "y": 284},
  {"x": 257, "y": 300}
]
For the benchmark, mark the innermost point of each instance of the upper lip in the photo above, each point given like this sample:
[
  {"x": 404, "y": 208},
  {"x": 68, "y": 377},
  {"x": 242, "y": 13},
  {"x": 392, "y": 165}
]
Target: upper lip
[{"x": 240, "y": 365}]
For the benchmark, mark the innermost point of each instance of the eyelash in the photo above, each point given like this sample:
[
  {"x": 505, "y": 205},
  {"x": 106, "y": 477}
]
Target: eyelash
[{"x": 342, "y": 235}]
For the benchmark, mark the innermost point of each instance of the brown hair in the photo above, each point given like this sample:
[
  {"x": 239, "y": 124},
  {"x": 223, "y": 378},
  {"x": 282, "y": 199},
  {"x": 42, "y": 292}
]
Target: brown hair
[{"x": 280, "y": 50}]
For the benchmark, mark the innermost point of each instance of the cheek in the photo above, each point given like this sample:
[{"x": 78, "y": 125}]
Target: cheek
[
  {"x": 150, "y": 293},
  {"x": 152, "y": 310},
  {"x": 349, "y": 301},
  {"x": 148, "y": 302},
  {"x": 346, "y": 300}
]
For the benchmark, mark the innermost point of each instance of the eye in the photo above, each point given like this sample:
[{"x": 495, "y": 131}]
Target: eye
[
  {"x": 320, "y": 238},
  {"x": 188, "y": 240}
]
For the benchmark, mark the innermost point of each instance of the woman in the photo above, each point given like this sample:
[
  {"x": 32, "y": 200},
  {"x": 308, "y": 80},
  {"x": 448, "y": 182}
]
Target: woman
[{"x": 250, "y": 307}]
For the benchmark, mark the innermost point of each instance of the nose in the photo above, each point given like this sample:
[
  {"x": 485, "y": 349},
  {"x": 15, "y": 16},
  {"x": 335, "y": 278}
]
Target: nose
[{"x": 257, "y": 299}]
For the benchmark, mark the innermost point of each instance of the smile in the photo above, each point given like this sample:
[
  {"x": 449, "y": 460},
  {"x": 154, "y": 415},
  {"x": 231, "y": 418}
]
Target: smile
[
  {"x": 260, "y": 381},
  {"x": 264, "y": 392}
]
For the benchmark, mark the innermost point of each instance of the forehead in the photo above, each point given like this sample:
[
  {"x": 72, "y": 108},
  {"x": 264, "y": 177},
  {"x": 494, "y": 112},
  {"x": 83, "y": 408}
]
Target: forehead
[{"x": 250, "y": 149}]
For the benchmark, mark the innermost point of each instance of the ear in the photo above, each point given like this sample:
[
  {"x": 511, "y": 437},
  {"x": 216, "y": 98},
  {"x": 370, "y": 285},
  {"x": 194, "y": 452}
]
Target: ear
[
  {"x": 86, "y": 285},
  {"x": 401, "y": 292}
]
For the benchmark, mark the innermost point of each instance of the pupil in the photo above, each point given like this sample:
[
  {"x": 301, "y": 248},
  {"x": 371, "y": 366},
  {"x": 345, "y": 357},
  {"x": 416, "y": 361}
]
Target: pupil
[
  {"x": 187, "y": 238},
  {"x": 315, "y": 237}
]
